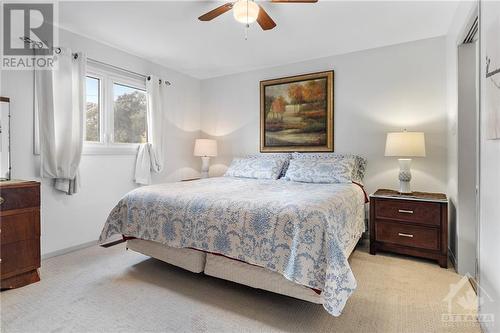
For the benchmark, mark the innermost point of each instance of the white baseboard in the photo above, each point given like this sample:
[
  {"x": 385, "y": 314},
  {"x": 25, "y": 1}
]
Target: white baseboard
[{"x": 68, "y": 250}]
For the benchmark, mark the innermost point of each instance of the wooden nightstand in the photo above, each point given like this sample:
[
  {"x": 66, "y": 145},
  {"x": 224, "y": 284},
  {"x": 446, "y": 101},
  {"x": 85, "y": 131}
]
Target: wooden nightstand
[
  {"x": 414, "y": 224},
  {"x": 20, "y": 233}
]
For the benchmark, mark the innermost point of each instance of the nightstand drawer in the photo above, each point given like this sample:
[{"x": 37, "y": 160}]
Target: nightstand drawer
[
  {"x": 409, "y": 211},
  {"x": 19, "y": 227},
  {"x": 24, "y": 196},
  {"x": 407, "y": 235},
  {"x": 19, "y": 257}
]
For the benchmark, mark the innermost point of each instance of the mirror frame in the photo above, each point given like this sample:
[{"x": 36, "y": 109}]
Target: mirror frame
[{"x": 9, "y": 175}]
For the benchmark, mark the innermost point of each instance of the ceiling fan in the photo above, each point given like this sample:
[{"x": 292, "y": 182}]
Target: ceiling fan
[{"x": 247, "y": 11}]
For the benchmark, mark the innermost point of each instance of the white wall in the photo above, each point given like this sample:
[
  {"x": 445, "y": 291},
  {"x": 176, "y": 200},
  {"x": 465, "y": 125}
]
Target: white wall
[
  {"x": 69, "y": 221},
  {"x": 375, "y": 91},
  {"x": 489, "y": 242}
]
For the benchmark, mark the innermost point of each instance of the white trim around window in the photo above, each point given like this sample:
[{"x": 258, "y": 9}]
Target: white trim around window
[{"x": 107, "y": 78}]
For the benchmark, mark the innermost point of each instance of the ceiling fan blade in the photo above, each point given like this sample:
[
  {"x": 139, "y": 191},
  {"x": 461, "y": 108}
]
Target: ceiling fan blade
[
  {"x": 265, "y": 21},
  {"x": 216, "y": 12},
  {"x": 294, "y": 1}
]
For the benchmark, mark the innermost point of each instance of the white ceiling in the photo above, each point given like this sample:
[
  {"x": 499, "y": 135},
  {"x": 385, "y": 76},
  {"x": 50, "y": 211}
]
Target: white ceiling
[{"x": 170, "y": 34}]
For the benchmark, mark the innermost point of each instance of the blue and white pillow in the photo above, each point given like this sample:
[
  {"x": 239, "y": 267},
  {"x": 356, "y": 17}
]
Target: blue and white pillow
[
  {"x": 320, "y": 170},
  {"x": 286, "y": 157},
  {"x": 260, "y": 168},
  {"x": 359, "y": 169}
]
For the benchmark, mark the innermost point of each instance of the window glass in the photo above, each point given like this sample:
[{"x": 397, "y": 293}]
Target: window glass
[
  {"x": 92, "y": 115},
  {"x": 129, "y": 114}
]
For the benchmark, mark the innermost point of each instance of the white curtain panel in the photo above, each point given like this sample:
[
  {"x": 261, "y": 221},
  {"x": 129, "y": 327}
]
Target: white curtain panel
[
  {"x": 150, "y": 157},
  {"x": 60, "y": 111}
]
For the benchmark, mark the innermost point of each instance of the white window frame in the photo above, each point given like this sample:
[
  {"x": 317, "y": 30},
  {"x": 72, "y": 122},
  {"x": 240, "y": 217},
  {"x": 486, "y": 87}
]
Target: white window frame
[
  {"x": 101, "y": 109},
  {"x": 108, "y": 77}
]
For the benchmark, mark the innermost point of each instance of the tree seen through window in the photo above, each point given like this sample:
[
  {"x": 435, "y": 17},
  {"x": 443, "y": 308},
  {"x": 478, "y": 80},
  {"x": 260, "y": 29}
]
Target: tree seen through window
[{"x": 129, "y": 114}]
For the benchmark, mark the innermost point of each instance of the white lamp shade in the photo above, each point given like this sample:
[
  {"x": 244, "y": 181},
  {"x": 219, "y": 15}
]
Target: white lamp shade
[
  {"x": 205, "y": 147},
  {"x": 245, "y": 11},
  {"x": 405, "y": 144}
]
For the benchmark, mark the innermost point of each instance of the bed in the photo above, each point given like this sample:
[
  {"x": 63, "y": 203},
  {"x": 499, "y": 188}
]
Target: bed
[{"x": 293, "y": 238}]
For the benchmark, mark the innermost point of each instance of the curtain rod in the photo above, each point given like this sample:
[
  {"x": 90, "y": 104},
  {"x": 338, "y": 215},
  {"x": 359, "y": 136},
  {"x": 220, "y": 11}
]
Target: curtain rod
[
  {"x": 125, "y": 70},
  {"x": 58, "y": 50}
]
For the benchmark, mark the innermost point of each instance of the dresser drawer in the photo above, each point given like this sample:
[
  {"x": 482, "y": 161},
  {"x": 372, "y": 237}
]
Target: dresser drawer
[
  {"x": 409, "y": 211},
  {"x": 20, "y": 226},
  {"x": 19, "y": 257},
  {"x": 407, "y": 235},
  {"x": 25, "y": 196}
]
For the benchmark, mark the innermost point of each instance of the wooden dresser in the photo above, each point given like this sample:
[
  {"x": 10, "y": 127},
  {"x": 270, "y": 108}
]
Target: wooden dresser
[
  {"x": 415, "y": 225},
  {"x": 19, "y": 232}
]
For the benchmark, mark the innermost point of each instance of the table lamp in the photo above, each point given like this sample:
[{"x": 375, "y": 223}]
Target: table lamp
[
  {"x": 403, "y": 145},
  {"x": 205, "y": 148}
]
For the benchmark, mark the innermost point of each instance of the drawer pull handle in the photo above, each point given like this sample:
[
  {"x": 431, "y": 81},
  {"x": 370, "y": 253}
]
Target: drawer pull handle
[
  {"x": 405, "y": 235},
  {"x": 405, "y": 211},
  {"x": 2, "y": 200}
]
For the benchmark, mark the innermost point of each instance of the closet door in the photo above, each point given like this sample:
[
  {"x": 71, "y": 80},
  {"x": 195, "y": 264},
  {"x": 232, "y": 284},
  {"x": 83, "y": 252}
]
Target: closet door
[{"x": 467, "y": 134}]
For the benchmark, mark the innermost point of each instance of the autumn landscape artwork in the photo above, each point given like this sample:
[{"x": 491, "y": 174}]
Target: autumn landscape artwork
[{"x": 297, "y": 113}]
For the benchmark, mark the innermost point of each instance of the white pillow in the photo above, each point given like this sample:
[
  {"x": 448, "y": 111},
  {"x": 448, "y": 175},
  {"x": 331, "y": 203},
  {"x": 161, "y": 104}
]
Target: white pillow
[
  {"x": 260, "y": 168},
  {"x": 286, "y": 157},
  {"x": 320, "y": 170},
  {"x": 358, "y": 171}
]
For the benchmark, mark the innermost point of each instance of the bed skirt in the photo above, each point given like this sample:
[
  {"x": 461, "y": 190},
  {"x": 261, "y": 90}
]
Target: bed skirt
[
  {"x": 228, "y": 269},
  {"x": 188, "y": 259}
]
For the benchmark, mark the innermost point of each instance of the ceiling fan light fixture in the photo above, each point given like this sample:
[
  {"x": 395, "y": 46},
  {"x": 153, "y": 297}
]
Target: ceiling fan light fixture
[{"x": 245, "y": 11}]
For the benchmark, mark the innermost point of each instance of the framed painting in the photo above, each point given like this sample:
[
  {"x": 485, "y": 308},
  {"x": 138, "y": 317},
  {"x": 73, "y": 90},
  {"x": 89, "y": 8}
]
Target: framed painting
[{"x": 296, "y": 113}]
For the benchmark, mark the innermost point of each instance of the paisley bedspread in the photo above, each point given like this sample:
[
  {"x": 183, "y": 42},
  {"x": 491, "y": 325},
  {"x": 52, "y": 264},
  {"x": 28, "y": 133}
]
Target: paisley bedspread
[{"x": 299, "y": 230}]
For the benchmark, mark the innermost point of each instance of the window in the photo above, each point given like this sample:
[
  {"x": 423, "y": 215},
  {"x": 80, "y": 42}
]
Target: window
[
  {"x": 93, "y": 119},
  {"x": 129, "y": 106},
  {"x": 116, "y": 107}
]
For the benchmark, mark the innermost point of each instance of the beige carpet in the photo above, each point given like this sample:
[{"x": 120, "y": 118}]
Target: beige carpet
[{"x": 113, "y": 290}]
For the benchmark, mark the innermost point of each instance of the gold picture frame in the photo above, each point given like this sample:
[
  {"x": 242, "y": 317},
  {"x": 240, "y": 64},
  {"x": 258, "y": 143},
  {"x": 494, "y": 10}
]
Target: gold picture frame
[{"x": 296, "y": 113}]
